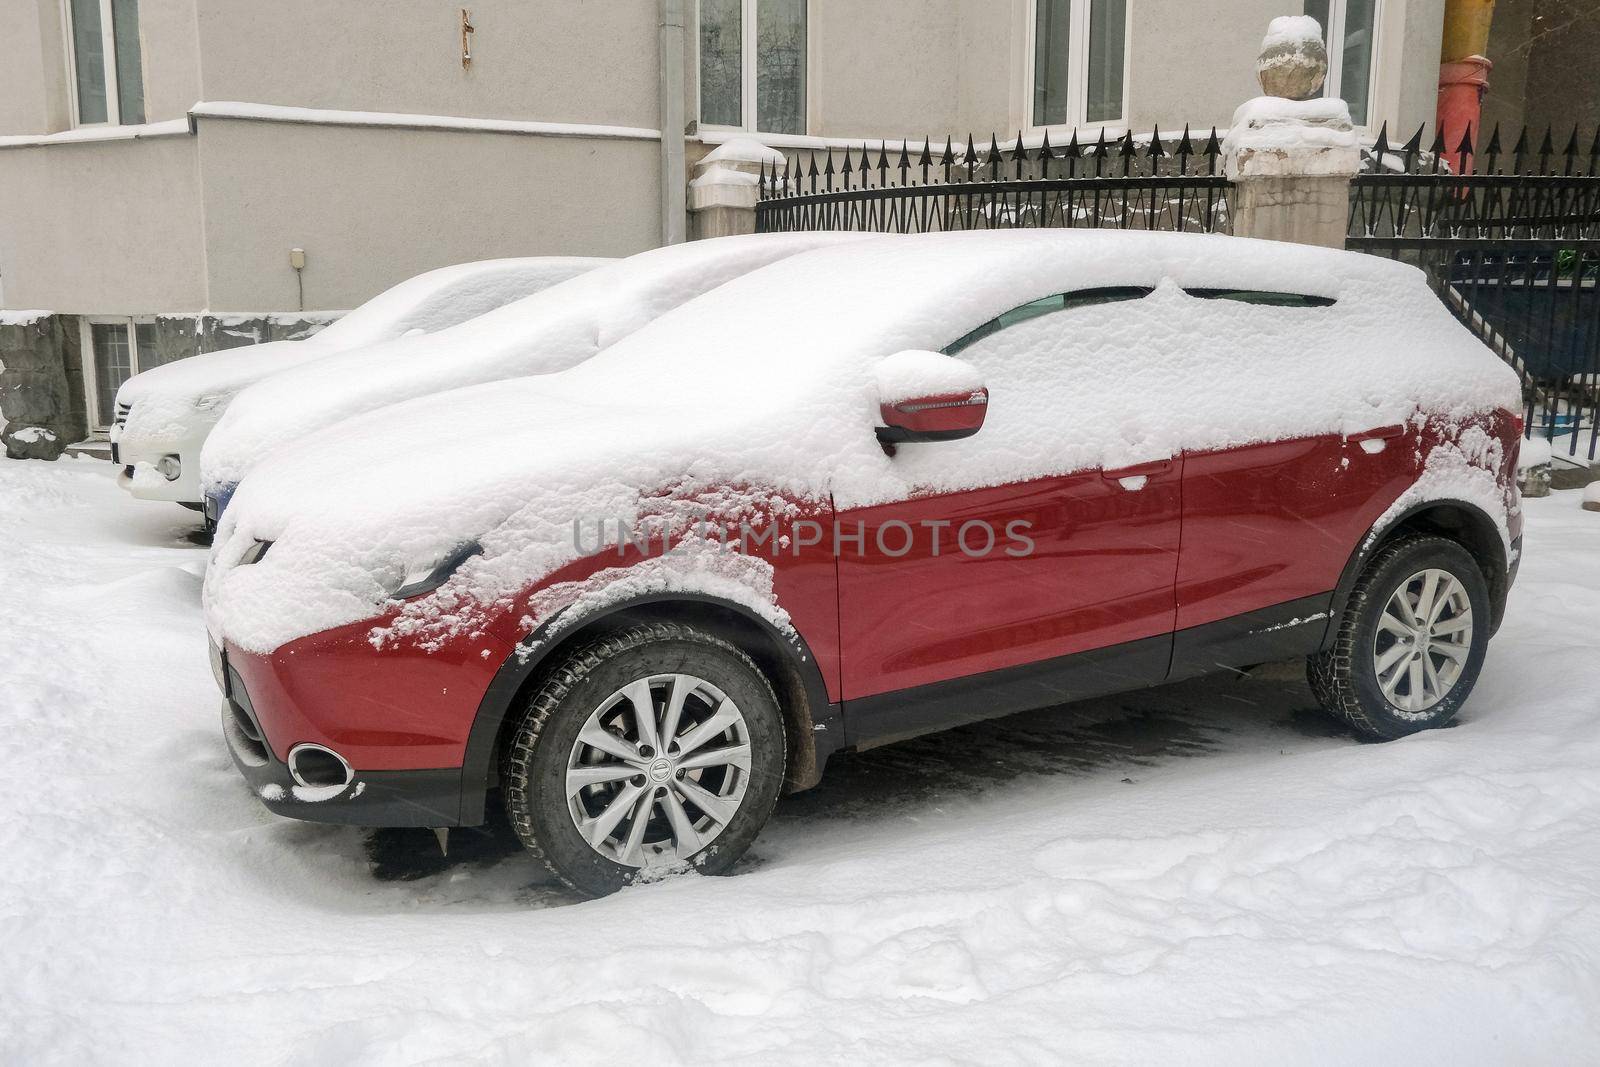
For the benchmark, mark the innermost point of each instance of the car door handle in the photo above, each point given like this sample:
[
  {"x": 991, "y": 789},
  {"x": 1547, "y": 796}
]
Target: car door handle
[
  {"x": 1142, "y": 470},
  {"x": 1381, "y": 433}
]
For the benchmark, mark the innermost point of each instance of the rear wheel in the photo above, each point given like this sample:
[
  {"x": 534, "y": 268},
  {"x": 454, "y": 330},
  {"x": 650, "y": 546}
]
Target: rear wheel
[
  {"x": 1410, "y": 642},
  {"x": 656, "y": 748}
]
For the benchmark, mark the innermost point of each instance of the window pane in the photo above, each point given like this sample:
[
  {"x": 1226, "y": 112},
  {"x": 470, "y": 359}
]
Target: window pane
[
  {"x": 144, "y": 337},
  {"x": 111, "y": 367},
  {"x": 130, "y": 71},
  {"x": 89, "y": 58},
  {"x": 1318, "y": 9},
  {"x": 1052, "y": 42},
  {"x": 1355, "y": 75},
  {"x": 781, "y": 66},
  {"x": 721, "y": 102},
  {"x": 1108, "y": 32}
]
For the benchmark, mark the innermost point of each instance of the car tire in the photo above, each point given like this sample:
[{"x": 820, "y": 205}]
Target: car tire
[
  {"x": 604, "y": 805},
  {"x": 1391, "y": 672}
]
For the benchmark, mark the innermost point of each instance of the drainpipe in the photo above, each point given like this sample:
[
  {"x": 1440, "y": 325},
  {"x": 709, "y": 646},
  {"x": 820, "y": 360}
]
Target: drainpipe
[
  {"x": 1463, "y": 76},
  {"x": 674, "y": 194}
]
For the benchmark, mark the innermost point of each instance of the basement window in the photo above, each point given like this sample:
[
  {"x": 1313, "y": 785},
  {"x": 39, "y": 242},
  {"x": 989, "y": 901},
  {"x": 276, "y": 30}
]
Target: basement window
[
  {"x": 114, "y": 350},
  {"x": 107, "y": 65}
]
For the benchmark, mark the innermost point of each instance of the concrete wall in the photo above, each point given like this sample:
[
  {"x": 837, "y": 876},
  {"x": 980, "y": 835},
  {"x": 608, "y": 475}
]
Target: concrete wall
[
  {"x": 32, "y": 68},
  {"x": 167, "y": 32},
  {"x": 373, "y": 207},
  {"x": 549, "y": 60},
  {"x": 102, "y": 227},
  {"x": 38, "y": 399}
]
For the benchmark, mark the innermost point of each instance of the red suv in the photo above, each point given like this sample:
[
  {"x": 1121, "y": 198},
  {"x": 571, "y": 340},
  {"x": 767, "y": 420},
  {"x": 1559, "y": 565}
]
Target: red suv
[{"x": 868, "y": 492}]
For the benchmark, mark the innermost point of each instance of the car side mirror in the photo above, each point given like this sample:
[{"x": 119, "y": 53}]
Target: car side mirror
[{"x": 927, "y": 396}]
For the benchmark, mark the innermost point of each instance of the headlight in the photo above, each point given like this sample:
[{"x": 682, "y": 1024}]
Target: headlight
[
  {"x": 169, "y": 467},
  {"x": 210, "y": 402},
  {"x": 429, "y": 575}
]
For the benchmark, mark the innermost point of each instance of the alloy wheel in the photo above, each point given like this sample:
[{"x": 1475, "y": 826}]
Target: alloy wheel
[
  {"x": 1423, "y": 640},
  {"x": 659, "y": 770}
]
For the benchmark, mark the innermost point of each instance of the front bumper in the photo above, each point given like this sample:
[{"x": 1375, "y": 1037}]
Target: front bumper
[
  {"x": 148, "y": 484},
  {"x": 425, "y": 797}
]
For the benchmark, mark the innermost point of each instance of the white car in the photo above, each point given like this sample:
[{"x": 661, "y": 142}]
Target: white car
[
  {"x": 541, "y": 334},
  {"x": 165, "y": 414}
]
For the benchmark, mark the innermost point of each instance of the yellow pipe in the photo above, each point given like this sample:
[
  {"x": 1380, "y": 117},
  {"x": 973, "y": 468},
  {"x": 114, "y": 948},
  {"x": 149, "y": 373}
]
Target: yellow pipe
[{"x": 1466, "y": 29}]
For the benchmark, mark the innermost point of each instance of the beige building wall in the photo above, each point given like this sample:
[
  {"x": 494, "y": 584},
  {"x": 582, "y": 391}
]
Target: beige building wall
[
  {"x": 374, "y": 206},
  {"x": 103, "y": 227},
  {"x": 167, "y": 32},
  {"x": 590, "y": 61},
  {"x": 33, "y": 70}
]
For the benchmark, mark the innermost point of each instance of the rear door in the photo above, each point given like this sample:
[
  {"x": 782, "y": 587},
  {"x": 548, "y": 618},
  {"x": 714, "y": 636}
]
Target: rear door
[
  {"x": 1031, "y": 588},
  {"x": 1269, "y": 526}
]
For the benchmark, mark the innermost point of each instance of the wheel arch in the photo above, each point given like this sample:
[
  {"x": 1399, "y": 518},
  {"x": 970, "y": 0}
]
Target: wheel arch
[
  {"x": 1454, "y": 520},
  {"x": 785, "y": 658}
]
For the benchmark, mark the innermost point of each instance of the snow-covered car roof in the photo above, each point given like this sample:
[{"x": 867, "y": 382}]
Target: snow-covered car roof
[
  {"x": 163, "y": 396},
  {"x": 546, "y": 332},
  {"x": 767, "y": 382},
  {"x": 427, "y": 302}
]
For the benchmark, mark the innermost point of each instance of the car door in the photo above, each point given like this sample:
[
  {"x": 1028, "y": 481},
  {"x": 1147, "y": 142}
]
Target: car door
[
  {"x": 1269, "y": 526},
  {"x": 1031, "y": 587}
]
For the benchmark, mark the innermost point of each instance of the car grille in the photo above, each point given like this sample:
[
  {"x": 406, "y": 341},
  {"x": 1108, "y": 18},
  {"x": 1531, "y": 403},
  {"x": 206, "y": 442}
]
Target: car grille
[{"x": 122, "y": 414}]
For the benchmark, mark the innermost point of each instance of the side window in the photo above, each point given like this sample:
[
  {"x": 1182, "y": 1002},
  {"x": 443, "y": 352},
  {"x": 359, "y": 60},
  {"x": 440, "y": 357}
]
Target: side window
[
  {"x": 1046, "y": 306},
  {"x": 1262, "y": 296}
]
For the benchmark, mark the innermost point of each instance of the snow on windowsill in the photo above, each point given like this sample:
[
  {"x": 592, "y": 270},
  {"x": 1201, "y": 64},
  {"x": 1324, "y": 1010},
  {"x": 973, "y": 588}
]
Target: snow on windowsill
[
  {"x": 92, "y": 134},
  {"x": 22, "y": 318},
  {"x": 235, "y": 109}
]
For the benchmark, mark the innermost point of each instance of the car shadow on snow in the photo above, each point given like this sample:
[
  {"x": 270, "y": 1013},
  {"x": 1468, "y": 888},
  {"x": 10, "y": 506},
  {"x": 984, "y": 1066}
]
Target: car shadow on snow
[{"x": 1121, "y": 736}]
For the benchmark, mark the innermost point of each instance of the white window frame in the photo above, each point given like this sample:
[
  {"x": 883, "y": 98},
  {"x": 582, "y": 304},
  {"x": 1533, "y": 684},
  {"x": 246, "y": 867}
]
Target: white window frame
[
  {"x": 1333, "y": 40},
  {"x": 1077, "y": 70},
  {"x": 747, "y": 73},
  {"x": 108, "y": 49},
  {"x": 86, "y": 355}
]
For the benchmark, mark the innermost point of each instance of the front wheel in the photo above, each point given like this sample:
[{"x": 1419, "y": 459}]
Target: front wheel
[
  {"x": 656, "y": 748},
  {"x": 1410, "y": 642}
]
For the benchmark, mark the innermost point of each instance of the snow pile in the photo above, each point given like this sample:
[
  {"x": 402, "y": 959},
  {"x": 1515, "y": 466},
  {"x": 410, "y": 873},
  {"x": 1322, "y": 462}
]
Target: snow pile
[
  {"x": 1202, "y": 873},
  {"x": 548, "y": 331},
  {"x": 1535, "y": 452},
  {"x": 1296, "y": 35},
  {"x": 768, "y": 383},
  {"x": 22, "y": 317},
  {"x": 168, "y": 402},
  {"x": 910, "y": 374},
  {"x": 1273, "y": 136}
]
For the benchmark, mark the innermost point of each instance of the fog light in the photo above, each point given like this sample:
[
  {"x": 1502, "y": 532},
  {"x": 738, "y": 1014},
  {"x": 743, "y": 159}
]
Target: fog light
[{"x": 169, "y": 468}]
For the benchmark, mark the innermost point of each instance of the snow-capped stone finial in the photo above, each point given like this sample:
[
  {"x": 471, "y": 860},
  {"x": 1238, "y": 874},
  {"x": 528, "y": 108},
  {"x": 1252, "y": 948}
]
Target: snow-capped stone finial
[{"x": 1294, "y": 60}]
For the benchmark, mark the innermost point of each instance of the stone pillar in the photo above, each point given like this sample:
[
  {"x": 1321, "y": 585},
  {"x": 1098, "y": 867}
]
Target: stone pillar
[
  {"x": 722, "y": 197},
  {"x": 1290, "y": 153}
]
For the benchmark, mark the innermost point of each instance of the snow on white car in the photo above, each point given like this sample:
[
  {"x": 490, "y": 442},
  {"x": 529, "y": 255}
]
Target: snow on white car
[
  {"x": 865, "y": 493},
  {"x": 165, "y": 414},
  {"x": 547, "y": 332}
]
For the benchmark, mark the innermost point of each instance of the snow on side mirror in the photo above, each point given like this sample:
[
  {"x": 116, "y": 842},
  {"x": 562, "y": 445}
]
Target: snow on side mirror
[{"x": 927, "y": 396}]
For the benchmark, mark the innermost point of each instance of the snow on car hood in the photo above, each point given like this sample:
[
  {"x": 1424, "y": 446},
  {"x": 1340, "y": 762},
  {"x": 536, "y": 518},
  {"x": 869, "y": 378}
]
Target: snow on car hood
[
  {"x": 540, "y": 334},
  {"x": 171, "y": 400},
  {"x": 768, "y": 382}
]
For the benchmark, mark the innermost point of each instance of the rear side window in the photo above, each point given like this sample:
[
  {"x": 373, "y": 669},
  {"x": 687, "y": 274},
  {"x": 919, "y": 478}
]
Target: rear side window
[
  {"x": 1046, "y": 306},
  {"x": 1262, "y": 296}
]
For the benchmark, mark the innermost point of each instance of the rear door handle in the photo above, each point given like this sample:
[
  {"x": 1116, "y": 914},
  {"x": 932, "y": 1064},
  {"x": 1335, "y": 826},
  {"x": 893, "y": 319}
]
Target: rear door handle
[
  {"x": 1381, "y": 433},
  {"x": 1143, "y": 470}
]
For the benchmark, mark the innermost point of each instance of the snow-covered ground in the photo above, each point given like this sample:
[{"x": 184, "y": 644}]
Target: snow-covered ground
[{"x": 1208, "y": 872}]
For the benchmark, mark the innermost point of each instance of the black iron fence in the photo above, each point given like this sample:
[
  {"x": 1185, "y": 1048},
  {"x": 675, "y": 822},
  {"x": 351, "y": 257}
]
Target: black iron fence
[
  {"x": 1145, "y": 183},
  {"x": 1513, "y": 248}
]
